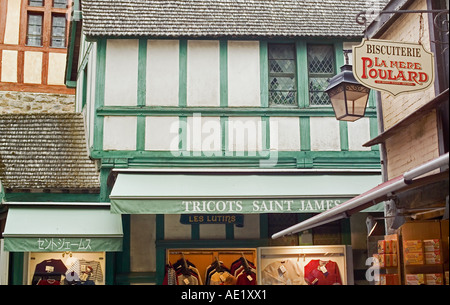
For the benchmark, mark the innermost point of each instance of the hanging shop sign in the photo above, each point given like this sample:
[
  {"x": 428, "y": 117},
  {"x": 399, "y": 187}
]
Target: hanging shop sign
[
  {"x": 235, "y": 219},
  {"x": 393, "y": 67}
]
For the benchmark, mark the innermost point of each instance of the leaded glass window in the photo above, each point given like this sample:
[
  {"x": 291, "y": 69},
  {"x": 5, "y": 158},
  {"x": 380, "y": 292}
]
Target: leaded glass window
[
  {"x": 58, "y": 31},
  {"x": 34, "y": 33},
  {"x": 321, "y": 67},
  {"x": 282, "y": 79}
]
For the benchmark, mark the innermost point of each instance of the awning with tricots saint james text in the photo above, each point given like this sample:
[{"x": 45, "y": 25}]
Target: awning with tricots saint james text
[{"x": 191, "y": 192}]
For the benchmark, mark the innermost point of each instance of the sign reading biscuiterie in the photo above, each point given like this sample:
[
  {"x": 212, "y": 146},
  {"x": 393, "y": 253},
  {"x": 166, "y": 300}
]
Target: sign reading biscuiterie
[{"x": 393, "y": 67}]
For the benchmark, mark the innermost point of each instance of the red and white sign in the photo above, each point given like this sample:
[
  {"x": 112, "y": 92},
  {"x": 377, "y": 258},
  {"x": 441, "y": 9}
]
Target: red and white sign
[{"x": 393, "y": 67}]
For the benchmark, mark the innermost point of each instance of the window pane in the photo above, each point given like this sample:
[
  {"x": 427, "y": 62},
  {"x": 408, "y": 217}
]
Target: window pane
[
  {"x": 34, "y": 35},
  {"x": 281, "y": 65},
  {"x": 36, "y": 3},
  {"x": 60, "y": 3},
  {"x": 321, "y": 65},
  {"x": 321, "y": 59},
  {"x": 58, "y": 31},
  {"x": 282, "y": 75}
]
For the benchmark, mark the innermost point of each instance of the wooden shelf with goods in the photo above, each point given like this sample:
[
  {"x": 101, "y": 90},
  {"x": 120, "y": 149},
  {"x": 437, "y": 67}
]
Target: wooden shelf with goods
[
  {"x": 389, "y": 260},
  {"x": 424, "y": 252}
]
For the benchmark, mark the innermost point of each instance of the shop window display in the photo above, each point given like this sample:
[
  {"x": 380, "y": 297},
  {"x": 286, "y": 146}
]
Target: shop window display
[
  {"x": 305, "y": 265},
  {"x": 211, "y": 267},
  {"x": 66, "y": 268}
]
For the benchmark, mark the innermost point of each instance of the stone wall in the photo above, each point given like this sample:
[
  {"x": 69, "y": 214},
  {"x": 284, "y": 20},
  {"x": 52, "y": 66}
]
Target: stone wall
[{"x": 29, "y": 102}]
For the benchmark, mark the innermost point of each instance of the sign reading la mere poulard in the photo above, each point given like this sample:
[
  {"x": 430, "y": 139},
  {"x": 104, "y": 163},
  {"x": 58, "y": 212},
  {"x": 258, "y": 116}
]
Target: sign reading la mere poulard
[{"x": 393, "y": 67}]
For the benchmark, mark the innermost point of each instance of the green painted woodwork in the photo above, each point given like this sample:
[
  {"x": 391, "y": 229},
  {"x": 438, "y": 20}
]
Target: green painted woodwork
[
  {"x": 220, "y": 111},
  {"x": 52, "y": 197},
  {"x": 223, "y": 73},
  {"x": 302, "y": 75},
  {"x": 264, "y": 74},
  {"x": 70, "y": 55},
  {"x": 289, "y": 159},
  {"x": 99, "y": 92},
  {"x": 343, "y": 130},
  {"x": 17, "y": 263},
  {"x": 142, "y": 71},
  {"x": 182, "y": 91},
  {"x": 305, "y": 134}
]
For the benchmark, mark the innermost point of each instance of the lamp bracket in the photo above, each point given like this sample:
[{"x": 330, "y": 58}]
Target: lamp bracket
[{"x": 442, "y": 26}]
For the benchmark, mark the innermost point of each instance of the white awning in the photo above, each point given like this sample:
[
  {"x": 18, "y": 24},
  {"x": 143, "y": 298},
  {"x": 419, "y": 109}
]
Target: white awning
[
  {"x": 373, "y": 196},
  {"x": 232, "y": 192},
  {"x": 37, "y": 228}
]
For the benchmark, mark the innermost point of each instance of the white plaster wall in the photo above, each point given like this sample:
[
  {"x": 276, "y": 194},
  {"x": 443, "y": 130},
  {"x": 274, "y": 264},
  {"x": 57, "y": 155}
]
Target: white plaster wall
[
  {"x": 203, "y": 134},
  {"x": 162, "y": 72},
  {"x": 212, "y": 231},
  {"x": 56, "y": 68},
  {"x": 173, "y": 229},
  {"x": 358, "y": 134},
  {"x": 32, "y": 68},
  {"x": 121, "y": 74},
  {"x": 203, "y": 75},
  {"x": 12, "y": 22},
  {"x": 142, "y": 243},
  {"x": 285, "y": 133},
  {"x": 325, "y": 134},
  {"x": 119, "y": 133},
  {"x": 9, "y": 66},
  {"x": 250, "y": 229},
  {"x": 244, "y": 134},
  {"x": 161, "y": 133},
  {"x": 243, "y": 74},
  {"x": 78, "y": 89}
]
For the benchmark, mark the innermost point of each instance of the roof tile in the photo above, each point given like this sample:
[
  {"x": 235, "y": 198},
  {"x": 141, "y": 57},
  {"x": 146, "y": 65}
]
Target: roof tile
[
  {"x": 45, "y": 151},
  {"x": 195, "y": 18}
]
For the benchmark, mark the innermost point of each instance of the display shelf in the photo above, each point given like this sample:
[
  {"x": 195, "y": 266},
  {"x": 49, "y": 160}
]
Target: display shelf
[
  {"x": 305, "y": 265},
  {"x": 86, "y": 267},
  {"x": 389, "y": 274},
  {"x": 416, "y": 238},
  {"x": 202, "y": 258}
]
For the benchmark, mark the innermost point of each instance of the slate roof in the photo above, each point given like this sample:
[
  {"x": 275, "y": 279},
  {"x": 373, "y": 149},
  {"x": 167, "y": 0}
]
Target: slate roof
[
  {"x": 236, "y": 18},
  {"x": 45, "y": 151}
]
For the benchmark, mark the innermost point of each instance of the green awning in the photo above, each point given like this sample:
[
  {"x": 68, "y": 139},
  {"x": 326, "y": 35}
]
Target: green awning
[
  {"x": 62, "y": 228},
  {"x": 231, "y": 193}
]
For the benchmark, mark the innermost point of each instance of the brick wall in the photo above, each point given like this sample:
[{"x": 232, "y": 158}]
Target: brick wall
[
  {"x": 418, "y": 143},
  {"x": 407, "y": 29},
  {"x": 412, "y": 146}
]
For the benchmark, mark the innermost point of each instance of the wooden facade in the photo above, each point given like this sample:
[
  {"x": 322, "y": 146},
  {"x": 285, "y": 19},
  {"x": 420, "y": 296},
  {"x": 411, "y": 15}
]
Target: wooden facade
[{"x": 32, "y": 68}]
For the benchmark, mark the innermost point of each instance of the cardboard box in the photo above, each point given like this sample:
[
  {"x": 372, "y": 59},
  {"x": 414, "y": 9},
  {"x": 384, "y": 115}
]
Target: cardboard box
[
  {"x": 394, "y": 261},
  {"x": 432, "y": 258},
  {"x": 412, "y": 246},
  {"x": 382, "y": 247},
  {"x": 431, "y": 245},
  {"x": 414, "y": 258},
  {"x": 381, "y": 259},
  {"x": 389, "y": 279},
  {"x": 392, "y": 247},
  {"x": 387, "y": 247},
  {"x": 434, "y": 279},
  {"x": 415, "y": 279}
]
